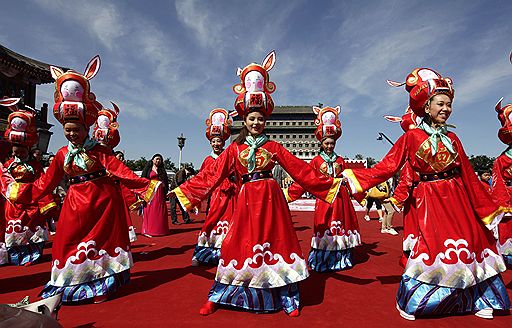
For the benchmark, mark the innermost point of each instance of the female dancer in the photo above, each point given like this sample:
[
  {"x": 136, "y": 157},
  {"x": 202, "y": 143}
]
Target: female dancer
[
  {"x": 261, "y": 260},
  {"x": 454, "y": 266},
  {"x": 26, "y": 233},
  {"x": 502, "y": 182},
  {"x": 222, "y": 199},
  {"x": 335, "y": 231},
  {"x": 91, "y": 251},
  {"x": 155, "y": 221}
]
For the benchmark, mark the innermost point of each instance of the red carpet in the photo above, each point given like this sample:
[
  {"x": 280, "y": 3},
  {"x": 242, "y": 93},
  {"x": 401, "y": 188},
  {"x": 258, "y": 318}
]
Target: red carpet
[{"x": 165, "y": 291}]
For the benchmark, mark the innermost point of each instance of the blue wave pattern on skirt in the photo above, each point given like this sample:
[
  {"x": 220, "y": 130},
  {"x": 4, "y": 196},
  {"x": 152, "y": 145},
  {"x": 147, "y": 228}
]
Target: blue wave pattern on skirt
[
  {"x": 321, "y": 260},
  {"x": 508, "y": 261},
  {"x": 418, "y": 298},
  {"x": 88, "y": 290},
  {"x": 207, "y": 255},
  {"x": 23, "y": 254},
  {"x": 256, "y": 299}
]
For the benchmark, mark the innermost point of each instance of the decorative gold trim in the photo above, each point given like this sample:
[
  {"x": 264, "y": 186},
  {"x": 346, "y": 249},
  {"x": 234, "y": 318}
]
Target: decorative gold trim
[
  {"x": 350, "y": 175},
  {"x": 333, "y": 191},
  {"x": 13, "y": 191},
  {"x": 135, "y": 205},
  {"x": 489, "y": 218},
  {"x": 287, "y": 195},
  {"x": 182, "y": 198},
  {"x": 47, "y": 207},
  {"x": 150, "y": 192}
]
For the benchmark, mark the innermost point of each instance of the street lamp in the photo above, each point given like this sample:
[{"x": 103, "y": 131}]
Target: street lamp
[
  {"x": 181, "y": 144},
  {"x": 382, "y": 136}
]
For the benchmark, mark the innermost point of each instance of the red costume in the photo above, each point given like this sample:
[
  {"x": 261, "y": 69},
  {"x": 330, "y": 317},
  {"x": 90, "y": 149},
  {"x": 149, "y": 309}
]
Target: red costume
[
  {"x": 502, "y": 183},
  {"x": 5, "y": 180},
  {"x": 261, "y": 260},
  {"x": 454, "y": 266},
  {"x": 91, "y": 251},
  {"x": 335, "y": 230},
  {"x": 222, "y": 199},
  {"x": 25, "y": 232}
]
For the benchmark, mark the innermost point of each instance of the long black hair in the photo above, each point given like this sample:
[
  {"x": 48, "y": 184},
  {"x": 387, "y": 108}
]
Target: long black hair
[{"x": 162, "y": 174}]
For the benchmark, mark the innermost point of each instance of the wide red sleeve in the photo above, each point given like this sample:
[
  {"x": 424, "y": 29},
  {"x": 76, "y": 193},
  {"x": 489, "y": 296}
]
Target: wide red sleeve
[
  {"x": 193, "y": 191},
  {"x": 144, "y": 187},
  {"x": 483, "y": 205},
  {"x": 323, "y": 187},
  {"x": 363, "y": 179},
  {"x": 295, "y": 190},
  {"x": 499, "y": 192},
  {"x": 5, "y": 179},
  {"x": 405, "y": 183},
  {"x": 27, "y": 193}
]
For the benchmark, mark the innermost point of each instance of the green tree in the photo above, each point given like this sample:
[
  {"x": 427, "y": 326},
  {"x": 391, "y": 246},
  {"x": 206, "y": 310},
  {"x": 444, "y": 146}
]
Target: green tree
[
  {"x": 481, "y": 163},
  {"x": 136, "y": 165},
  {"x": 169, "y": 165},
  {"x": 370, "y": 161},
  {"x": 359, "y": 156}
]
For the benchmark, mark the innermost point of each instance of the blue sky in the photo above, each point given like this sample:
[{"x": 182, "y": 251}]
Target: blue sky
[{"x": 168, "y": 63}]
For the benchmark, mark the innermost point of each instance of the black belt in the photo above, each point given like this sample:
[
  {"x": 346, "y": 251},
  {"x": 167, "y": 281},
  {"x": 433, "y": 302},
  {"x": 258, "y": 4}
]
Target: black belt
[
  {"x": 439, "y": 176},
  {"x": 508, "y": 183},
  {"x": 257, "y": 175},
  {"x": 87, "y": 177}
]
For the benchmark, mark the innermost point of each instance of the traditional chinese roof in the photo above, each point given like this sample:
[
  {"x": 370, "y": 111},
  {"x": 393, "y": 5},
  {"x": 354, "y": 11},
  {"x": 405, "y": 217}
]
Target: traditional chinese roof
[{"x": 34, "y": 71}]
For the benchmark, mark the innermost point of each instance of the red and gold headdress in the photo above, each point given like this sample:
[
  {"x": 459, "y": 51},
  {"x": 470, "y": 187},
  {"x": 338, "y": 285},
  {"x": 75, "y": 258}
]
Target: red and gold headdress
[
  {"x": 21, "y": 128},
  {"x": 106, "y": 127},
  {"x": 505, "y": 118},
  {"x": 423, "y": 84},
  {"x": 217, "y": 125},
  {"x": 74, "y": 102},
  {"x": 327, "y": 122},
  {"x": 255, "y": 88}
]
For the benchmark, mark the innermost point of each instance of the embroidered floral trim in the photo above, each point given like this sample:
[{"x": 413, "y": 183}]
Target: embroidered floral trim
[
  {"x": 216, "y": 237},
  {"x": 456, "y": 267},
  {"x": 264, "y": 270},
  {"x": 335, "y": 238},
  {"x": 40, "y": 235},
  {"x": 89, "y": 264},
  {"x": 16, "y": 233},
  {"x": 506, "y": 247},
  {"x": 4, "y": 256}
]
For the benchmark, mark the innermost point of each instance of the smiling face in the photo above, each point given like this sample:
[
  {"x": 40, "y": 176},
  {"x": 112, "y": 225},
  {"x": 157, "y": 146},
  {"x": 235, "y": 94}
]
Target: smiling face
[
  {"x": 328, "y": 145},
  {"x": 75, "y": 133},
  {"x": 255, "y": 123},
  {"x": 439, "y": 108},
  {"x": 217, "y": 145}
]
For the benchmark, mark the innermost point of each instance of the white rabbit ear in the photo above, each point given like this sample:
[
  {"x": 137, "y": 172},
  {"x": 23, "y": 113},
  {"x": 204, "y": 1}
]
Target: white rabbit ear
[
  {"x": 498, "y": 105},
  {"x": 316, "y": 110},
  {"x": 393, "y": 119},
  {"x": 56, "y": 72},
  {"x": 10, "y": 103},
  {"x": 116, "y": 109},
  {"x": 239, "y": 71},
  {"x": 233, "y": 113},
  {"x": 394, "y": 83},
  {"x": 269, "y": 61},
  {"x": 338, "y": 109},
  {"x": 93, "y": 67}
]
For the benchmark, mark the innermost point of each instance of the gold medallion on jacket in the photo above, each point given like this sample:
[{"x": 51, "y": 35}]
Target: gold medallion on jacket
[
  {"x": 263, "y": 157},
  {"x": 441, "y": 160},
  {"x": 337, "y": 169}
]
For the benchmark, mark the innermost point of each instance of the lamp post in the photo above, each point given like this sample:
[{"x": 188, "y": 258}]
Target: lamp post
[
  {"x": 382, "y": 136},
  {"x": 181, "y": 144}
]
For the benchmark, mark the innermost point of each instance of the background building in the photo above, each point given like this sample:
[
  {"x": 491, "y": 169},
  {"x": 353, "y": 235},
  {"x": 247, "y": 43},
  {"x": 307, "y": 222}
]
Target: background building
[{"x": 19, "y": 76}]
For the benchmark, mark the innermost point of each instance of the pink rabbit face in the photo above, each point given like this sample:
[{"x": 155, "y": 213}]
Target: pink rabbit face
[
  {"x": 103, "y": 122},
  {"x": 254, "y": 81},
  {"x": 18, "y": 124},
  {"x": 328, "y": 118},
  {"x": 72, "y": 91},
  {"x": 218, "y": 119}
]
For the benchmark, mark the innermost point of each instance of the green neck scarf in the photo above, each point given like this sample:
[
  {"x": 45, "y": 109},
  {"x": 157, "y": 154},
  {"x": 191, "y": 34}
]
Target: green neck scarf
[
  {"x": 17, "y": 162},
  {"x": 254, "y": 144},
  {"x": 508, "y": 152},
  {"x": 436, "y": 134},
  {"x": 76, "y": 154},
  {"x": 329, "y": 160}
]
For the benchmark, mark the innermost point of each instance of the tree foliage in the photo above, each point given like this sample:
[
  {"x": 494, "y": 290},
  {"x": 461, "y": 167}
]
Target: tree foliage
[{"x": 481, "y": 163}]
